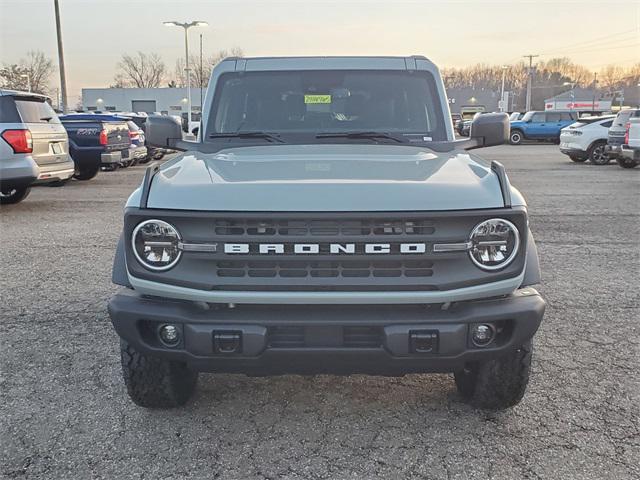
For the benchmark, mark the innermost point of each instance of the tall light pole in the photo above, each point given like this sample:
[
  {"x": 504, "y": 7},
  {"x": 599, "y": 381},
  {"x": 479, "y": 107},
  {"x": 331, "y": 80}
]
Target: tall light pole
[
  {"x": 187, "y": 26},
  {"x": 63, "y": 77},
  {"x": 502, "y": 105},
  {"x": 529, "y": 80}
]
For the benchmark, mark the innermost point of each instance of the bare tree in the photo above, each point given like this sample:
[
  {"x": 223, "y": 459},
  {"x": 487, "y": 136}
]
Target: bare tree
[
  {"x": 142, "y": 70},
  {"x": 611, "y": 77},
  {"x": 199, "y": 78},
  {"x": 31, "y": 73}
]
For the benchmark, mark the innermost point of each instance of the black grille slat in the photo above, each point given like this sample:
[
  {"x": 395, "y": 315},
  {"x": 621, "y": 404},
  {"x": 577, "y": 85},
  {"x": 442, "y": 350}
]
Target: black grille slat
[{"x": 325, "y": 228}]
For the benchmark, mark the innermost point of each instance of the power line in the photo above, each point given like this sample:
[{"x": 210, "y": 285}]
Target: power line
[{"x": 588, "y": 42}]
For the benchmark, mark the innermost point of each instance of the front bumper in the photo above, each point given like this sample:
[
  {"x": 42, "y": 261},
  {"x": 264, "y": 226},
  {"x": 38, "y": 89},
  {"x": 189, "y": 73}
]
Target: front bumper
[{"x": 279, "y": 339}]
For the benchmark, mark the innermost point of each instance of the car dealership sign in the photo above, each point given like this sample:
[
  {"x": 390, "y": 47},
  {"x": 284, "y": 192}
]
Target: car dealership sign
[{"x": 581, "y": 105}]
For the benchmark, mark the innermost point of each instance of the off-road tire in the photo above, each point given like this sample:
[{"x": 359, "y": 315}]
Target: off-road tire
[
  {"x": 154, "y": 382},
  {"x": 87, "y": 173},
  {"x": 627, "y": 162},
  {"x": 596, "y": 153},
  {"x": 516, "y": 137},
  {"x": 496, "y": 384},
  {"x": 14, "y": 195},
  {"x": 577, "y": 159}
]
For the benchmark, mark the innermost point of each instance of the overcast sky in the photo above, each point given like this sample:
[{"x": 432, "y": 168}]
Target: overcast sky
[{"x": 451, "y": 33}]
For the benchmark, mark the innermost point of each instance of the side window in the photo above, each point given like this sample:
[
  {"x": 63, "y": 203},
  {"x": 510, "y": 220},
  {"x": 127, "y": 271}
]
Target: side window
[
  {"x": 636, "y": 113},
  {"x": 607, "y": 124},
  {"x": 538, "y": 118},
  {"x": 553, "y": 117},
  {"x": 567, "y": 116}
]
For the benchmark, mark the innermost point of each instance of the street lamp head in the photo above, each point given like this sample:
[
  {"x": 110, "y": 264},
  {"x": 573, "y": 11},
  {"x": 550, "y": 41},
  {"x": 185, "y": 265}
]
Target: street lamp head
[
  {"x": 170, "y": 24},
  {"x": 201, "y": 23}
]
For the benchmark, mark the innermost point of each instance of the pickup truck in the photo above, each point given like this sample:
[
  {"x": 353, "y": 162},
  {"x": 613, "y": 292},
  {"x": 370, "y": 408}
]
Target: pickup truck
[
  {"x": 96, "y": 141},
  {"x": 326, "y": 220},
  {"x": 629, "y": 156},
  {"x": 618, "y": 131},
  {"x": 544, "y": 126}
]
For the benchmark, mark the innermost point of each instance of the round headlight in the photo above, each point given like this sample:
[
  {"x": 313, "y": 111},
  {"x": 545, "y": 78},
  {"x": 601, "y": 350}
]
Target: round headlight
[
  {"x": 494, "y": 244},
  {"x": 155, "y": 244}
]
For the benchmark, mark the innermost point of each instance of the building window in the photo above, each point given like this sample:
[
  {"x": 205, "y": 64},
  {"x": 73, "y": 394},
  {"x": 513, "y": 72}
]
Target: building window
[
  {"x": 92, "y": 109},
  {"x": 110, "y": 109},
  {"x": 175, "y": 107}
]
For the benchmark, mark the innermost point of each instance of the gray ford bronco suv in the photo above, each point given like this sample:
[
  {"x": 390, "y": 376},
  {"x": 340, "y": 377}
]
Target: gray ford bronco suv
[{"x": 326, "y": 220}]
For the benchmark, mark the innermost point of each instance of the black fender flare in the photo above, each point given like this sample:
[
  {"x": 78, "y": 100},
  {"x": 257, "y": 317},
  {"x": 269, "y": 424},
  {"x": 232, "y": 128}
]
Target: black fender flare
[
  {"x": 119, "y": 273},
  {"x": 532, "y": 273}
]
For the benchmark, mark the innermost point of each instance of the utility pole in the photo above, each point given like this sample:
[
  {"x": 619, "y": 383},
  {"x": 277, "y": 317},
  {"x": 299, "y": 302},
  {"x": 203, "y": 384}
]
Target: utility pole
[
  {"x": 529, "y": 80},
  {"x": 201, "y": 79},
  {"x": 63, "y": 78},
  {"x": 503, "y": 107},
  {"x": 595, "y": 86}
]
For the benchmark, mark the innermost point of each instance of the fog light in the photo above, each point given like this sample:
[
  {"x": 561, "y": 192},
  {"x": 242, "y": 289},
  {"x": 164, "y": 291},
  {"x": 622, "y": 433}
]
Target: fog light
[
  {"x": 169, "y": 334},
  {"x": 482, "y": 334}
]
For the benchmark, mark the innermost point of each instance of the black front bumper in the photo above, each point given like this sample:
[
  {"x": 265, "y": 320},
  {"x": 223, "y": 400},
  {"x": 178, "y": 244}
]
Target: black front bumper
[{"x": 279, "y": 339}]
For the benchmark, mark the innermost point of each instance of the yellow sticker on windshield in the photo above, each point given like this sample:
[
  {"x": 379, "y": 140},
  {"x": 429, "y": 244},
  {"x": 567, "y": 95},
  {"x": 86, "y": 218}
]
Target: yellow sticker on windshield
[{"x": 317, "y": 99}]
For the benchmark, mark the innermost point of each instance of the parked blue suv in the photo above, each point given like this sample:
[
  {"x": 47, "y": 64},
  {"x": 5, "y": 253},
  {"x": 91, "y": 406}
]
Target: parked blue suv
[{"x": 540, "y": 126}]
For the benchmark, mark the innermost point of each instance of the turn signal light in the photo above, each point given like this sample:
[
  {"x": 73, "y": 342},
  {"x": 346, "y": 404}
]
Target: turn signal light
[
  {"x": 103, "y": 137},
  {"x": 19, "y": 140}
]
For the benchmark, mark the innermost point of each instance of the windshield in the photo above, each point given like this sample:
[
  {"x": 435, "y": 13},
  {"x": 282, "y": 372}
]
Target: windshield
[{"x": 295, "y": 104}]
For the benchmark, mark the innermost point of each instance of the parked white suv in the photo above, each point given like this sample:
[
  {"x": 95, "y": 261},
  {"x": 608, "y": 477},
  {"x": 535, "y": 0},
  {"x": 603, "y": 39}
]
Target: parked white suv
[
  {"x": 586, "y": 139},
  {"x": 34, "y": 148}
]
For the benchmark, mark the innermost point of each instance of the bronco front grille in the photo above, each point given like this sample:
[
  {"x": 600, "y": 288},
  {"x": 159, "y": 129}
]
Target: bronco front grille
[{"x": 263, "y": 252}]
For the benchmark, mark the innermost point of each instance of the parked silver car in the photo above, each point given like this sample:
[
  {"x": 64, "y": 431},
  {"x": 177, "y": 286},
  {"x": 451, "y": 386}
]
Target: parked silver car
[{"x": 34, "y": 148}]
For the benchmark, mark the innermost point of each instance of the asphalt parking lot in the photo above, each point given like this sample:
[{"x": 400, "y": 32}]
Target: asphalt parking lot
[{"x": 65, "y": 412}]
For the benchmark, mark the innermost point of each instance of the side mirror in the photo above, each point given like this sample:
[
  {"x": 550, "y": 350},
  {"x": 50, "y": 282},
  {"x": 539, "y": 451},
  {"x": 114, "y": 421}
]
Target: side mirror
[
  {"x": 163, "y": 131},
  {"x": 488, "y": 130}
]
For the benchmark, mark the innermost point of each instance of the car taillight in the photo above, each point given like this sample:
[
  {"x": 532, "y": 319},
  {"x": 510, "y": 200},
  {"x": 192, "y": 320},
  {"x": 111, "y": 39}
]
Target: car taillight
[
  {"x": 626, "y": 133},
  {"x": 134, "y": 135},
  {"x": 103, "y": 137},
  {"x": 19, "y": 140}
]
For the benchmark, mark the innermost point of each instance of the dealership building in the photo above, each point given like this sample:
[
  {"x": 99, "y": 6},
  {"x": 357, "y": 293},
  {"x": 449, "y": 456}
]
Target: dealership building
[
  {"x": 171, "y": 101},
  {"x": 578, "y": 99}
]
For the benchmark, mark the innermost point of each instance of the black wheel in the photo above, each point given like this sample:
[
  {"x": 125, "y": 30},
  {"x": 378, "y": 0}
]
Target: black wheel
[
  {"x": 496, "y": 384},
  {"x": 87, "y": 173},
  {"x": 597, "y": 153},
  {"x": 155, "y": 382},
  {"x": 14, "y": 195},
  {"x": 627, "y": 162},
  {"x": 577, "y": 159},
  {"x": 516, "y": 137}
]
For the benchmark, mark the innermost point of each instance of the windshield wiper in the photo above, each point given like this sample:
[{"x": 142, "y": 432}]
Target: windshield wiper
[
  {"x": 358, "y": 135},
  {"x": 267, "y": 136}
]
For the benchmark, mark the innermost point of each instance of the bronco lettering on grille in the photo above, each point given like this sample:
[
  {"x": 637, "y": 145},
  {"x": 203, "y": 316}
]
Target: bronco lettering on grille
[{"x": 324, "y": 248}]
